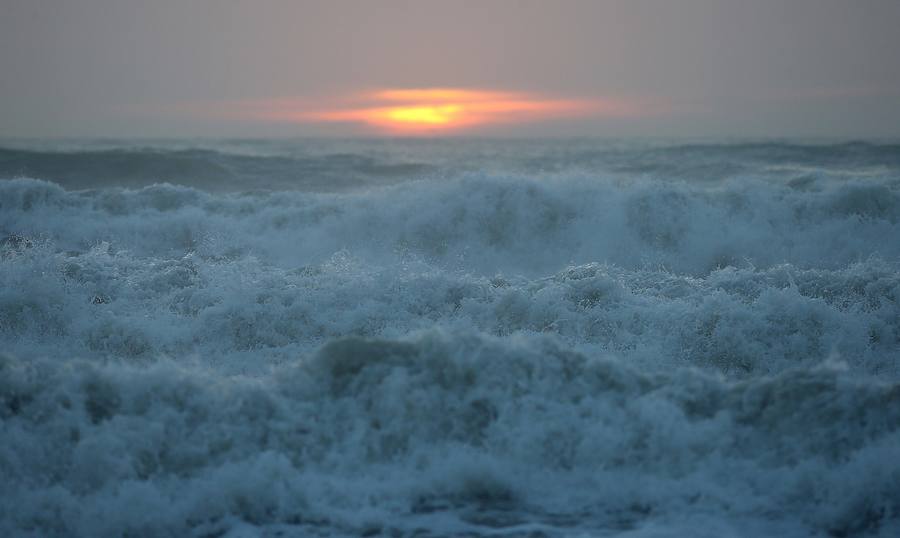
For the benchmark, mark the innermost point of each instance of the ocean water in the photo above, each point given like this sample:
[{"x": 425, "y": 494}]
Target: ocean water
[{"x": 449, "y": 338}]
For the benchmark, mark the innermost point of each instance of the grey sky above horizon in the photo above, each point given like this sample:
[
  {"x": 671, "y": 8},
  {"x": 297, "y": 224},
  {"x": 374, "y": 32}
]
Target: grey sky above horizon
[{"x": 89, "y": 68}]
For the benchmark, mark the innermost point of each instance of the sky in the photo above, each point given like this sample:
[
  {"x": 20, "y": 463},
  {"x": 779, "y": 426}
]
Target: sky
[{"x": 171, "y": 68}]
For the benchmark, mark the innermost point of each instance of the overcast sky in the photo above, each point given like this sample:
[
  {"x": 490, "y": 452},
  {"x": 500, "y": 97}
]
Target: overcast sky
[{"x": 704, "y": 67}]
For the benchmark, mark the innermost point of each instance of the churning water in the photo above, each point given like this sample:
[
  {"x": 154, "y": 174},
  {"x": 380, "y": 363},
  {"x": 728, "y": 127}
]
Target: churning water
[{"x": 466, "y": 337}]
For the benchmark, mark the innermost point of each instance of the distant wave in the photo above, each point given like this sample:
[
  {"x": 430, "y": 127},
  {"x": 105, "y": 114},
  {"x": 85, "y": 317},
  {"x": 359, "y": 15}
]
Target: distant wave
[
  {"x": 203, "y": 169},
  {"x": 487, "y": 223},
  {"x": 341, "y": 165}
]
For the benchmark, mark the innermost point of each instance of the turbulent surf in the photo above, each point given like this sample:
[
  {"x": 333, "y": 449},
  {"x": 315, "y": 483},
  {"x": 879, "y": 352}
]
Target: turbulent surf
[{"x": 449, "y": 338}]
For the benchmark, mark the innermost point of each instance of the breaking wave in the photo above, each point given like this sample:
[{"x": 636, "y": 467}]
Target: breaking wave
[
  {"x": 454, "y": 433},
  {"x": 565, "y": 342}
]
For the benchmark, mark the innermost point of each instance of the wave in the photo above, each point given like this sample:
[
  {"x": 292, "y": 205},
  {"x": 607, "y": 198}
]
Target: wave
[
  {"x": 206, "y": 169},
  {"x": 510, "y": 343},
  {"x": 340, "y": 165},
  {"x": 486, "y": 223},
  {"x": 381, "y": 436},
  {"x": 651, "y": 274},
  {"x": 246, "y": 315}
]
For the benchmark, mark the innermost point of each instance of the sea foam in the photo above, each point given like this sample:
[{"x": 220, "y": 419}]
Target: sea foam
[{"x": 467, "y": 338}]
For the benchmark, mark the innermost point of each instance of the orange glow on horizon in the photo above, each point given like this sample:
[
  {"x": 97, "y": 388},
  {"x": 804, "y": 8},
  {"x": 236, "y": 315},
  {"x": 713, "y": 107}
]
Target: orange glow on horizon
[
  {"x": 438, "y": 94},
  {"x": 411, "y": 111}
]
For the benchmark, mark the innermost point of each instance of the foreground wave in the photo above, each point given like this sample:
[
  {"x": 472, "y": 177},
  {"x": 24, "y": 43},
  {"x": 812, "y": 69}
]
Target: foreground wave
[
  {"x": 441, "y": 434},
  {"x": 471, "y": 340}
]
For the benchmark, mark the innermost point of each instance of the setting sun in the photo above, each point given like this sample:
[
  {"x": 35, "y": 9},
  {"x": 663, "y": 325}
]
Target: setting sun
[
  {"x": 425, "y": 115},
  {"x": 430, "y": 110},
  {"x": 427, "y": 111}
]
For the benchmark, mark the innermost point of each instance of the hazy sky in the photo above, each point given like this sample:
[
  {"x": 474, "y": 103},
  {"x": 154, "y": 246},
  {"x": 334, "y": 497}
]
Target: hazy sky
[{"x": 696, "y": 68}]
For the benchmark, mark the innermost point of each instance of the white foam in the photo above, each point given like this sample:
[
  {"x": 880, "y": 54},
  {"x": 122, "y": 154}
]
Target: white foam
[{"x": 574, "y": 353}]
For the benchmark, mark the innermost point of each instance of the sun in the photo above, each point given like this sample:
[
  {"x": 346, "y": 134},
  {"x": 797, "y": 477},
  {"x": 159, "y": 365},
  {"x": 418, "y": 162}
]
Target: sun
[
  {"x": 440, "y": 110},
  {"x": 427, "y": 111},
  {"x": 425, "y": 115}
]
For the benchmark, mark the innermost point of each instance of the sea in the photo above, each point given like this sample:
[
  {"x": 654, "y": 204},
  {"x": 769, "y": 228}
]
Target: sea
[{"x": 454, "y": 337}]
